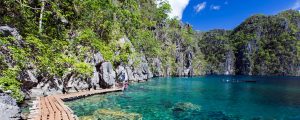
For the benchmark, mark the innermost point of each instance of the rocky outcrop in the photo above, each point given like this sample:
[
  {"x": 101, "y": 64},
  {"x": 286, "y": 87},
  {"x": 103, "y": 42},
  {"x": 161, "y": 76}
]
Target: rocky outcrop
[
  {"x": 9, "y": 31},
  {"x": 130, "y": 73},
  {"x": 229, "y": 64},
  {"x": 157, "y": 67},
  {"x": 121, "y": 74},
  {"x": 188, "y": 71},
  {"x": 96, "y": 61},
  {"x": 107, "y": 75},
  {"x": 184, "y": 63},
  {"x": 142, "y": 72},
  {"x": 266, "y": 45},
  {"x": 9, "y": 109},
  {"x": 244, "y": 62},
  {"x": 77, "y": 83},
  {"x": 47, "y": 87}
]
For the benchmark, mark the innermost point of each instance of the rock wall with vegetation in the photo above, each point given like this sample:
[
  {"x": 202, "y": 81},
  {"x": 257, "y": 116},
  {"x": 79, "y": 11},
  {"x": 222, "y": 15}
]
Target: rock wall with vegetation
[
  {"x": 261, "y": 45},
  {"x": 51, "y": 46}
]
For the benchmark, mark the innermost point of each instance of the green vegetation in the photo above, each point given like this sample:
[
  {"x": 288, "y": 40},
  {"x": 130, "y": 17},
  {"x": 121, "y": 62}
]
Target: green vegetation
[
  {"x": 215, "y": 45},
  {"x": 268, "y": 44},
  {"x": 8, "y": 81},
  {"x": 61, "y": 37}
]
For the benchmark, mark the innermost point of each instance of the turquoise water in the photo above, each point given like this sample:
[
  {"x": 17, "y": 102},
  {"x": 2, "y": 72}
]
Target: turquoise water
[{"x": 198, "y": 98}]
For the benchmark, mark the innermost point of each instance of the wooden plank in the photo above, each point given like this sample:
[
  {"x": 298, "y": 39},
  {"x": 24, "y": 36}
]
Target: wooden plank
[
  {"x": 53, "y": 108},
  {"x": 51, "y": 111},
  {"x": 57, "y": 112},
  {"x": 66, "y": 111},
  {"x": 64, "y": 115},
  {"x": 44, "y": 109}
]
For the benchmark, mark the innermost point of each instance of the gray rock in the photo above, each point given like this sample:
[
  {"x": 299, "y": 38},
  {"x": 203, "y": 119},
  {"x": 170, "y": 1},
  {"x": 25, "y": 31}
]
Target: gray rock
[
  {"x": 76, "y": 84},
  {"x": 107, "y": 75},
  {"x": 7, "y": 31},
  {"x": 130, "y": 73},
  {"x": 121, "y": 74},
  {"x": 125, "y": 40},
  {"x": 8, "y": 92},
  {"x": 95, "y": 79},
  {"x": 29, "y": 79},
  {"x": 47, "y": 87},
  {"x": 98, "y": 58},
  {"x": 188, "y": 68},
  {"x": 157, "y": 68},
  {"x": 229, "y": 63},
  {"x": 8, "y": 108},
  {"x": 142, "y": 72},
  {"x": 168, "y": 70}
]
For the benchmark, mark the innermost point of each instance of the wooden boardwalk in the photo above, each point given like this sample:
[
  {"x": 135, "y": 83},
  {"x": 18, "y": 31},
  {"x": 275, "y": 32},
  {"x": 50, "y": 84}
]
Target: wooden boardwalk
[{"x": 53, "y": 108}]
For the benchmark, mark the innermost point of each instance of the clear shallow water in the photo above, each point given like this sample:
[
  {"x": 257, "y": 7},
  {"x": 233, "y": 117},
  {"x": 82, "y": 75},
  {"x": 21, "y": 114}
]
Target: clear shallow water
[{"x": 207, "y": 97}]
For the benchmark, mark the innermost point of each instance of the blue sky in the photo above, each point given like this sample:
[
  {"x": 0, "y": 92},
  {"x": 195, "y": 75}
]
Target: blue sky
[{"x": 206, "y": 15}]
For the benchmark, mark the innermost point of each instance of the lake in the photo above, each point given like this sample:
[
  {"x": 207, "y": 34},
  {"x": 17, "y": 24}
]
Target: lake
[{"x": 198, "y": 98}]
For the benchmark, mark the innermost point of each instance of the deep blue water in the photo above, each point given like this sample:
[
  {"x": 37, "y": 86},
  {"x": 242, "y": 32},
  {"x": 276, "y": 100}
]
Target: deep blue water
[{"x": 206, "y": 97}]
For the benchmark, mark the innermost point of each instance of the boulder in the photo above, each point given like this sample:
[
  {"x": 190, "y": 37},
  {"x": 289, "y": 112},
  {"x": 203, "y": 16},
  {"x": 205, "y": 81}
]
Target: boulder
[
  {"x": 29, "y": 79},
  {"x": 9, "y": 109},
  {"x": 146, "y": 73},
  {"x": 96, "y": 61},
  {"x": 138, "y": 75},
  {"x": 76, "y": 84},
  {"x": 107, "y": 75},
  {"x": 121, "y": 74},
  {"x": 107, "y": 114},
  {"x": 8, "y": 31},
  {"x": 47, "y": 87},
  {"x": 95, "y": 79},
  {"x": 97, "y": 58},
  {"x": 185, "y": 106},
  {"x": 130, "y": 73}
]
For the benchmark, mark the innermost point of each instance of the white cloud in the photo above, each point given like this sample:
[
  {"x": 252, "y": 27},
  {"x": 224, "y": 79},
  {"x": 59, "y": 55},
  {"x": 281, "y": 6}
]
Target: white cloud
[
  {"x": 178, "y": 6},
  {"x": 200, "y": 7},
  {"x": 215, "y": 7},
  {"x": 296, "y": 5}
]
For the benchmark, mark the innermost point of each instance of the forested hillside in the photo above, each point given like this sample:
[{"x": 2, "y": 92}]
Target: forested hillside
[
  {"x": 54, "y": 46},
  {"x": 61, "y": 46}
]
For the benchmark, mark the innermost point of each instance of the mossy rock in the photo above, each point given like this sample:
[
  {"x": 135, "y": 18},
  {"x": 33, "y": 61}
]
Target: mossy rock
[
  {"x": 106, "y": 114},
  {"x": 87, "y": 118},
  {"x": 186, "y": 106}
]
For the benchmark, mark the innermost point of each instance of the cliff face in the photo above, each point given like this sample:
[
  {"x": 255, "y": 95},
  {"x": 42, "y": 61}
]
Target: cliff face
[
  {"x": 218, "y": 52},
  {"x": 262, "y": 45},
  {"x": 268, "y": 45}
]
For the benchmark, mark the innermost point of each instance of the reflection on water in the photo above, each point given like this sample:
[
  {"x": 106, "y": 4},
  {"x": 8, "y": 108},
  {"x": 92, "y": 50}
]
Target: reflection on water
[{"x": 197, "y": 98}]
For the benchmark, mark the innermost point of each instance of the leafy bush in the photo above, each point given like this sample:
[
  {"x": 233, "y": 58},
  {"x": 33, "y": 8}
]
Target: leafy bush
[{"x": 9, "y": 82}]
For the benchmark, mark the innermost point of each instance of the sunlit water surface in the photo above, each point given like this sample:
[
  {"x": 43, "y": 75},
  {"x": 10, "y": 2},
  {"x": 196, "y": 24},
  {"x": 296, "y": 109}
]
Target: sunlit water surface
[{"x": 198, "y": 98}]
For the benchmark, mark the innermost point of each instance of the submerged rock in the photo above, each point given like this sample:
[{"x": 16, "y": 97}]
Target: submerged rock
[
  {"x": 186, "y": 111},
  {"x": 185, "y": 106},
  {"x": 105, "y": 114}
]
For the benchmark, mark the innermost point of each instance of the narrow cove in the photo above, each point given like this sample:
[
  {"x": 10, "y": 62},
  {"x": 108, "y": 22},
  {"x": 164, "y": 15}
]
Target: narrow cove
[{"x": 197, "y": 98}]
